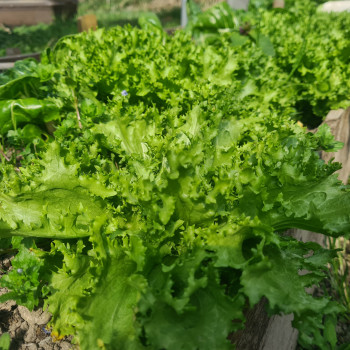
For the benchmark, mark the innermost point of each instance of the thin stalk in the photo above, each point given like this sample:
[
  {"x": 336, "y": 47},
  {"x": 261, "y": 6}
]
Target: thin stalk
[
  {"x": 77, "y": 110},
  {"x": 4, "y": 155}
]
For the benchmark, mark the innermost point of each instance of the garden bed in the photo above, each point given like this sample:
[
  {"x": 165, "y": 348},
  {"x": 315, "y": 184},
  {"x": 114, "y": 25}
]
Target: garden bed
[{"x": 176, "y": 167}]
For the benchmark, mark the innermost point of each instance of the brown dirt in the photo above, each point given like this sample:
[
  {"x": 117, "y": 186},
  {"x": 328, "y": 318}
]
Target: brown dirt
[{"x": 27, "y": 329}]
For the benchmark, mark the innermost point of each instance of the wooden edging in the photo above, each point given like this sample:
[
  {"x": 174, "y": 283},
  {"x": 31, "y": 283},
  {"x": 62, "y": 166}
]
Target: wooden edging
[
  {"x": 14, "y": 58},
  {"x": 23, "y": 12},
  {"x": 8, "y": 62},
  {"x": 264, "y": 333},
  {"x": 277, "y": 333},
  {"x": 6, "y": 65}
]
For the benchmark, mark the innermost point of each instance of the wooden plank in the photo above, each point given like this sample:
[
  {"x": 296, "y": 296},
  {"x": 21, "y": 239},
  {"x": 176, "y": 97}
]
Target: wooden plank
[
  {"x": 184, "y": 18},
  {"x": 239, "y": 4},
  {"x": 23, "y": 3},
  {"x": 339, "y": 122},
  {"x": 10, "y": 51},
  {"x": 335, "y": 6},
  {"x": 16, "y": 13},
  {"x": 279, "y": 335},
  {"x": 15, "y": 58},
  {"x": 264, "y": 333},
  {"x": 278, "y": 4},
  {"x": 18, "y": 16},
  {"x": 6, "y": 65},
  {"x": 29, "y": 3},
  {"x": 87, "y": 22}
]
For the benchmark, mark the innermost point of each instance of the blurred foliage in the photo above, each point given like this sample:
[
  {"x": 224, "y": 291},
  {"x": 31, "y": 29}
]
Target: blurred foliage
[
  {"x": 109, "y": 13},
  {"x": 339, "y": 272},
  {"x": 35, "y": 38}
]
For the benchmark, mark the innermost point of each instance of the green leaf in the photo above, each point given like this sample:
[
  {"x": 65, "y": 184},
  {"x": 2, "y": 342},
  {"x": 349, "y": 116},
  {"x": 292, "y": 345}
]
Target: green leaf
[
  {"x": 129, "y": 136},
  {"x": 326, "y": 139},
  {"x": 23, "y": 280},
  {"x": 193, "y": 9},
  {"x": 102, "y": 306},
  {"x": 150, "y": 21},
  {"x": 20, "y": 88},
  {"x": 218, "y": 16},
  {"x": 238, "y": 39},
  {"x": 318, "y": 207},
  {"x": 266, "y": 45},
  {"x": 159, "y": 216},
  {"x": 277, "y": 278},
  {"x": 14, "y": 113},
  {"x": 5, "y": 341},
  {"x": 112, "y": 308},
  {"x": 186, "y": 308},
  {"x": 330, "y": 333},
  {"x": 43, "y": 215}
]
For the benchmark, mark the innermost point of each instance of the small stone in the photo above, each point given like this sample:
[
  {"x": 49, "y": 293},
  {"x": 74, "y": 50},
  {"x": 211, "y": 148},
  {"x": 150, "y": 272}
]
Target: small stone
[
  {"x": 30, "y": 346},
  {"x": 35, "y": 317},
  {"x": 25, "y": 314},
  {"x": 24, "y": 326},
  {"x": 15, "y": 323},
  {"x": 65, "y": 345},
  {"x": 7, "y": 305},
  {"x": 46, "y": 344},
  {"x": 30, "y": 336},
  {"x": 6, "y": 263}
]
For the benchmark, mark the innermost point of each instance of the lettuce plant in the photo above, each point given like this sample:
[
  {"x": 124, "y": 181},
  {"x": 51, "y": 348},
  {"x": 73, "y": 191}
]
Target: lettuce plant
[{"x": 156, "y": 216}]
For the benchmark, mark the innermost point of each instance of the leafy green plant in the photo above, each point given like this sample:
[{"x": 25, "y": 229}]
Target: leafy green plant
[
  {"x": 339, "y": 273},
  {"x": 156, "y": 215},
  {"x": 35, "y": 38},
  {"x": 301, "y": 45}
]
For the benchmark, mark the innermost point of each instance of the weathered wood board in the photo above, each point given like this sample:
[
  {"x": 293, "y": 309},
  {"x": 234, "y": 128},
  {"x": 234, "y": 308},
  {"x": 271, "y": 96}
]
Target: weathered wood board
[
  {"x": 277, "y": 333},
  {"x": 335, "y": 6},
  {"x": 6, "y": 65},
  {"x": 14, "y": 58},
  {"x": 8, "y": 62},
  {"x": 278, "y": 4},
  {"x": 21, "y": 12},
  {"x": 239, "y": 4},
  {"x": 86, "y": 23},
  {"x": 339, "y": 122},
  {"x": 264, "y": 333}
]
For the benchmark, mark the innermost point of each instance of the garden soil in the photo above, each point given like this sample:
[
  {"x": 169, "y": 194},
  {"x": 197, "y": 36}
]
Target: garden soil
[
  {"x": 27, "y": 329},
  {"x": 28, "y": 332}
]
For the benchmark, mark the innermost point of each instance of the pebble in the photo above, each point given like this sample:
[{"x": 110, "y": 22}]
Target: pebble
[
  {"x": 35, "y": 317},
  {"x": 30, "y": 336},
  {"x": 65, "y": 346},
  {"x": 15, "y": 324},
  {"x": 6, "y": 263},
  {"x": 7, "y": 305},
  {"x": 46, "y": 344}
]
